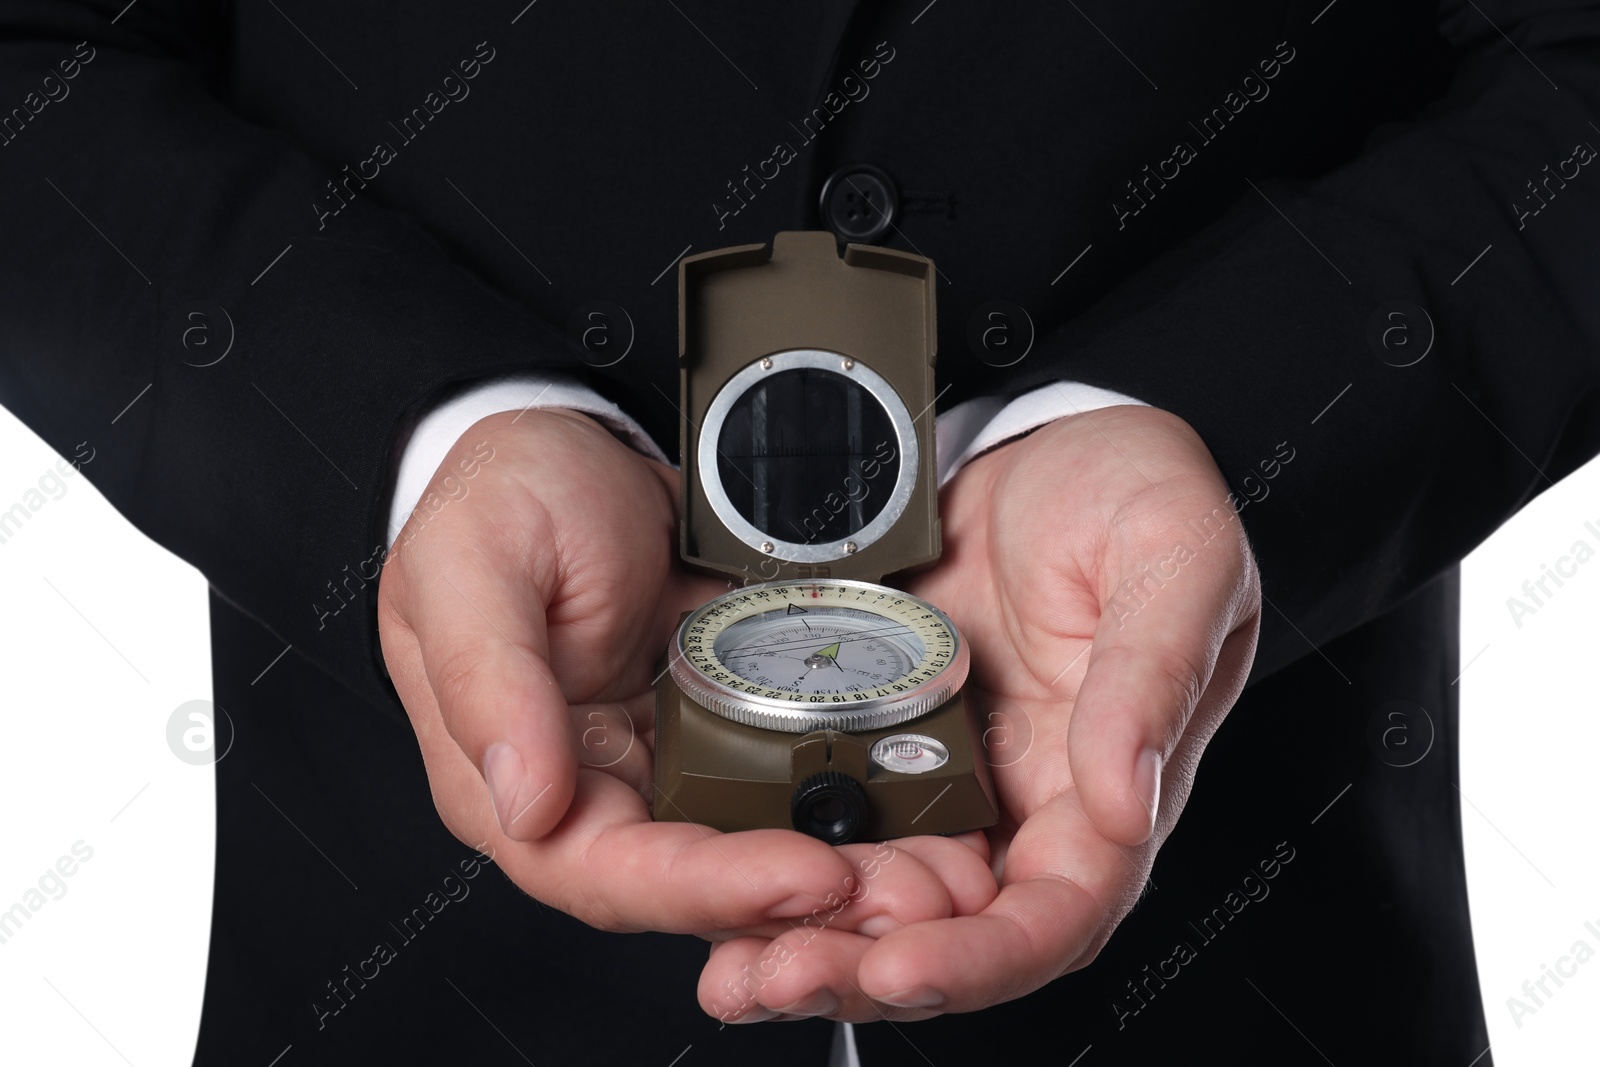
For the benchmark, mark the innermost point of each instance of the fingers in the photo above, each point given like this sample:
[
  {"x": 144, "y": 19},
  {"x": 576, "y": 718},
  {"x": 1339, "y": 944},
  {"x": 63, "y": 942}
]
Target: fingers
[
  {"x": 795, "y": 976},
  {"x": 612, "y": 739},
  {"x": 971, "y": 962},
  {"x": 607, "y": 864},
  {"x": 610, "y": 866},
  {"x": 1151, "y": 661},
  {"x": 796, "y": 971},
  {"x": 961, "y": 867},
  {"x": 481, "y": 632},
  {"x": 1066, "y": 887},
  {"x": 897, "y": 883}
]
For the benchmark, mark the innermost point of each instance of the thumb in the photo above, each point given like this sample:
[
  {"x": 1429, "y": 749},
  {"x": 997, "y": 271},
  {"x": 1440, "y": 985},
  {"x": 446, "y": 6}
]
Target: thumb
[
  {"x": 485, "y": 650},
  {"x": 1155, "y": 650}
]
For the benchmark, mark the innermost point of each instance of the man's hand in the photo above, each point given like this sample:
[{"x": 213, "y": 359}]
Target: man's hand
[
  {"x": 520, "y": 623},
  {"x": 1106, "y": 587}
]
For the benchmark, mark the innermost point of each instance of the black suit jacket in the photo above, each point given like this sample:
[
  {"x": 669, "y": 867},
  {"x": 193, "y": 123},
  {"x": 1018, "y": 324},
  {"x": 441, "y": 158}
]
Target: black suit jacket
[{"x": 1219, "y": 209}]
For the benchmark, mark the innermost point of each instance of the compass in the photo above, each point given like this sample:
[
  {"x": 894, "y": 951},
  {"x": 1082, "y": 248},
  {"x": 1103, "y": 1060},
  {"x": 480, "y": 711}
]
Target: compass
[
  {"x": 811, "y": 695},
  {"x": 802, "y": 656}
]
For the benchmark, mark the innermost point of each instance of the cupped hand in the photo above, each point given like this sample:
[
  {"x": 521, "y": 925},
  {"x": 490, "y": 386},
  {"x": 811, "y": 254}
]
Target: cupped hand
[
  {"x": 1099, "y": 571},
  {"x": 521, "y": 614}
]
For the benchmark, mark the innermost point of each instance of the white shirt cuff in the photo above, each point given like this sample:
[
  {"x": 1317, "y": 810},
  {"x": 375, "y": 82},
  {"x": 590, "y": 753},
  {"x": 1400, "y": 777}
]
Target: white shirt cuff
[
  {"x": 438, "y": 431},
  {"x": 974, "y": 426},
  {"x": 962, "y": 433}
]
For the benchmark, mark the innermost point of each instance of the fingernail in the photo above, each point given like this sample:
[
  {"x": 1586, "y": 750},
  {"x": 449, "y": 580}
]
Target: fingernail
[
  {"x": 879, "y": 926},
  {"x": 1147, "y": 781},
  {"x": 917, "y": 997},
  {"x": 793, "y": 908},
  {"x": 822, "y": 1002},
  {"x": 505, "y": 774},
  {"x": 755, "y": 1015}
]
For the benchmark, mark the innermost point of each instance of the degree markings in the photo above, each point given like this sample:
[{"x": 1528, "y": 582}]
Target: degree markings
[{"x": 904, "y": 616}]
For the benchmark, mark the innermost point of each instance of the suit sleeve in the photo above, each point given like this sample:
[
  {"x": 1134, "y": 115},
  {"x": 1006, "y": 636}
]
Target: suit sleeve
[
  {"x": 1389, "y": 360},
  {"x": 167, "y": 300}
]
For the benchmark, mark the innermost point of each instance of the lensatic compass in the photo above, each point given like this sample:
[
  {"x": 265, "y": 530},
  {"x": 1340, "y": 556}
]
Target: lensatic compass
[{"x": 813, "y": 697}]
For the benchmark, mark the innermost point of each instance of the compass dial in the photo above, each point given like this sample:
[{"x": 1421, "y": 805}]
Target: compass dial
[{"x": 800, "y": 656}]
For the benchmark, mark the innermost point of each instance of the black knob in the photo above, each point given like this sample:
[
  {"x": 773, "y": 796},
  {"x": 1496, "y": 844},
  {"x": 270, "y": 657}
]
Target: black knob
[{"x": 829, "y": 806}]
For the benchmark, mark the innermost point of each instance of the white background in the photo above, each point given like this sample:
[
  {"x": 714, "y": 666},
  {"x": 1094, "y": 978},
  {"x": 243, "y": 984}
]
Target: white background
[{"x": 103, "y": 635}]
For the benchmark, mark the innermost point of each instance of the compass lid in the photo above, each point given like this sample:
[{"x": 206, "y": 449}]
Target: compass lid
[{"x": 806, "y": 422}]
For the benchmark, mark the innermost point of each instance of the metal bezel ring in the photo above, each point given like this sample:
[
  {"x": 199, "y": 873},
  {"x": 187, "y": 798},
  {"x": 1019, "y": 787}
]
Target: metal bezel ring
[
  {"x": 877, "y": 387},
  {"x": 798, "y": 718}
]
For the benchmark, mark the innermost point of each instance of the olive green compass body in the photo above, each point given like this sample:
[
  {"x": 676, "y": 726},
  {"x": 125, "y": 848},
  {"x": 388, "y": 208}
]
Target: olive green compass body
[{"x": 811, "y": 695}]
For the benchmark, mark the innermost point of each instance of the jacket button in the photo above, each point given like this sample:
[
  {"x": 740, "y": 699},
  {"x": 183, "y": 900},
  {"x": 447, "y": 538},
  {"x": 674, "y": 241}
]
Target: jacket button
[{"x": 858, "y": 203}]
